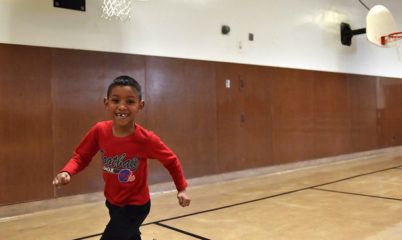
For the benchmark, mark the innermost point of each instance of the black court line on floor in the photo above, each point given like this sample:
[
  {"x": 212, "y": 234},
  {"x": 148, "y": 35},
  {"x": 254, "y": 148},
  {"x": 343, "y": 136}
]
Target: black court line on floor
[
  {"x": 90, "y": 236},
  {"x": 181, "y": 231},
  {"x": 315, "y": 187},
  {"x": 158, "y": 224},
  {"x": 357, "y": 194},
  {"x": 356, "y": 176}
]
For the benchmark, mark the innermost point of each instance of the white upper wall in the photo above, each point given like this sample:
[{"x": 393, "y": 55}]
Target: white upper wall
[{"x": 287, "y": 33}]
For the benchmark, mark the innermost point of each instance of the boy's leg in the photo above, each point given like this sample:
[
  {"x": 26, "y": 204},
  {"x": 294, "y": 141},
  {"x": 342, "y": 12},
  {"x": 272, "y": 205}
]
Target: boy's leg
[
  {"x": 136, "y": 237},
  {"x": 137, "y": 215},
  {"x": 125, "y": 221}
]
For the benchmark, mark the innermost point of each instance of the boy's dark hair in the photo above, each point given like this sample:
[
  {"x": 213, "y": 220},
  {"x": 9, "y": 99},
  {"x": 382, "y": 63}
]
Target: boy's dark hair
[{"x": 125, "y": 81}]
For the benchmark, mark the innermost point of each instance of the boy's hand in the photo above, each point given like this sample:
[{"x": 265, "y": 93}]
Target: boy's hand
[
  {"x": 184, "y": 199},
  {"x": 62, "y": 178}
]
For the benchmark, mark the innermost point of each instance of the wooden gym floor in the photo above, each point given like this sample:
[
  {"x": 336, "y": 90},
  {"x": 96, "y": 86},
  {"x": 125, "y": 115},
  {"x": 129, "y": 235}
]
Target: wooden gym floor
[{"x": 358, "y": 198}]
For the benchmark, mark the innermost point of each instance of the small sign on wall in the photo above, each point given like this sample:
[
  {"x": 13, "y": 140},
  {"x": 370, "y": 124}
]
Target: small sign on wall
[{"x": 227, "y": 83}]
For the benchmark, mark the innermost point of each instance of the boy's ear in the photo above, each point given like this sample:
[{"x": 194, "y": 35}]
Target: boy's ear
[
  {"x": 142, "y": 105},
  {"x": 106, "y": 102}
]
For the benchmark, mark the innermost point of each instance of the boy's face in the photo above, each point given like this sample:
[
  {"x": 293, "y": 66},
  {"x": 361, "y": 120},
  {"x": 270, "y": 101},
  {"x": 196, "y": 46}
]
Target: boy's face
[{"x": 123, "y": 105}]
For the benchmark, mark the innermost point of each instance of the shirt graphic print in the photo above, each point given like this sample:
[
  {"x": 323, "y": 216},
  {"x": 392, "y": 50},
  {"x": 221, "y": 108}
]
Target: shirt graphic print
[{"x": 123, "y": 168}]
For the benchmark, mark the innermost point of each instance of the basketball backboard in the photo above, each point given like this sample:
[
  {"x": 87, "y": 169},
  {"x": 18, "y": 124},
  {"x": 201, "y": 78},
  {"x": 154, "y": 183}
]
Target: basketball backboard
[{"x": 379, "y": 22}]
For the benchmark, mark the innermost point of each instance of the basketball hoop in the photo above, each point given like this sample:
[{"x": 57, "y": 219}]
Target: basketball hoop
[
  {"x": 119, "y": 9},
  {"x": 379, "y": 23}
]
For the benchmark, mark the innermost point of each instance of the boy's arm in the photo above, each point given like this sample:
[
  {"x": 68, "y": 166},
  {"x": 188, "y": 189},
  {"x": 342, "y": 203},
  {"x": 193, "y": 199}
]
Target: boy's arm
[{"x": 158, "y": 150}]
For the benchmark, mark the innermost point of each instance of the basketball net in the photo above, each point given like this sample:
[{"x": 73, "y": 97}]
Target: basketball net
[
  {"x": 393, "y": 40},
  {"x": 118, "y": 9}
]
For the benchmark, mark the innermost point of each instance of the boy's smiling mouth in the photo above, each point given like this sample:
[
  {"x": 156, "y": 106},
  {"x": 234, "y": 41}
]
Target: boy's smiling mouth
[{"x": 123, "y": 115}]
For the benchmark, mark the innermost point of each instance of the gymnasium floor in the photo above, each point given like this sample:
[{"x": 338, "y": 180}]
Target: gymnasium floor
[{"x": 358, "y": 198}]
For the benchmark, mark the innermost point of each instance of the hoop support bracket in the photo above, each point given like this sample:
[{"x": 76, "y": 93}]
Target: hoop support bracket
[{"x": 347, "y": 33}]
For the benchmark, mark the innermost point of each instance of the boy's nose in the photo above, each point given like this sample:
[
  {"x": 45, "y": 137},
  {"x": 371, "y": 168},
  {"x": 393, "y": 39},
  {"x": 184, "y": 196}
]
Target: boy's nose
[{"x": 122, "y": 106}]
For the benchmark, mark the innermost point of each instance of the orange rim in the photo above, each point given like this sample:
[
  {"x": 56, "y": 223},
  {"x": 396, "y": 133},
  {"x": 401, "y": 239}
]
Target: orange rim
[{"x": 392, "y": 37}]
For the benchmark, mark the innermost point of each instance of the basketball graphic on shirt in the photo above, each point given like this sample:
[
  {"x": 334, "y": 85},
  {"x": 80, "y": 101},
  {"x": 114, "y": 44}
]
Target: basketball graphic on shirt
[{"x": 125, "y": 175}]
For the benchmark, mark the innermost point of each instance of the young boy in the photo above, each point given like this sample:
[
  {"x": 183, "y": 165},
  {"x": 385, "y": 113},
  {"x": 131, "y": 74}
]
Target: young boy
[{"x": 125, "y": 147}]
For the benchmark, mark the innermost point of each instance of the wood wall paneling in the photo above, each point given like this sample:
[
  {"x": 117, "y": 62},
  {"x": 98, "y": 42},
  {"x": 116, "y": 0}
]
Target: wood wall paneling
[
  {"x": 78, "y": 88},
  {"x": 293, "y": 113},
  {"x": 257, "y": 142},
  {"x": 25, "y": 124},
  {"x": 363, "y": 102},
  {"x": 181, "y": 111},
  {"x": 201, "y": 155},
  {"x": 390, "y": 112},
  {"x": 332, "y": 115}
]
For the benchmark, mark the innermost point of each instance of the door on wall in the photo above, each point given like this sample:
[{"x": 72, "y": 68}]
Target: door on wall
[{"x": 244, "y": 118}]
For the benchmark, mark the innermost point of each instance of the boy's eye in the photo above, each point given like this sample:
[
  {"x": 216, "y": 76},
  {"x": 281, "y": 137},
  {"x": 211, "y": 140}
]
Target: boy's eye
[
  {"x": 115, "y": 100},
  {"x": 130, "y": 101}
]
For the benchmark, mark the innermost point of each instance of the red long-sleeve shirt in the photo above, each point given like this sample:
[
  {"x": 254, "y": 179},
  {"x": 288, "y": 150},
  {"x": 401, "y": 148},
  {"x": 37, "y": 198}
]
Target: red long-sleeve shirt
[{"x": 125, "y": 167}]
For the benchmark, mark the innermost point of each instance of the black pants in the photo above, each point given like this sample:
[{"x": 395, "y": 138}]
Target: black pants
[{"x": 125, "y": 221}]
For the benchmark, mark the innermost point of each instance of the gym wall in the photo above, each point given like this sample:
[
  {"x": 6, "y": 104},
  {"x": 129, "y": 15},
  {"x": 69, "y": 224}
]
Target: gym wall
[{"x": 270, "y": 115}]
